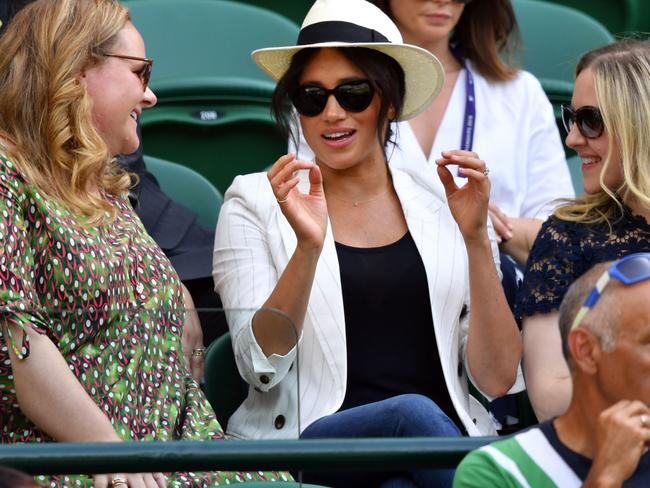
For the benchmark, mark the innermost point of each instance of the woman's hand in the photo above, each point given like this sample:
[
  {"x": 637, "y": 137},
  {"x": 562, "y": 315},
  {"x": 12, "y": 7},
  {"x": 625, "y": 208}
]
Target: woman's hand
[
  {"x": 306, "y": 213},
  {"x": 192, "y": 338},
  {"x": 501, "y": 222},
  {"x": 469, "y": 203},
  {"x": 131, "y": 480}
]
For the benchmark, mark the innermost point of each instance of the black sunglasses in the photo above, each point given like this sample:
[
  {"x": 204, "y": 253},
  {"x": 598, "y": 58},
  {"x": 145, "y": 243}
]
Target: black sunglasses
[
  {"x": 589, "y": 120},
  {"x": 144, "y": 73},
  {"x": 464, "y": 2},
  {"x": 353, "y": 96}
]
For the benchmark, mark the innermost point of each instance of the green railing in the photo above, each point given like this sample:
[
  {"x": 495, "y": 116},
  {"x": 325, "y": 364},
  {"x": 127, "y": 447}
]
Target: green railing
[{"x": 305, "y": 455}]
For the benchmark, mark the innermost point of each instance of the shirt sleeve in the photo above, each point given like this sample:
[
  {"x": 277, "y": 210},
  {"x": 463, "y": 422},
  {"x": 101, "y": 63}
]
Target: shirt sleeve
[
  {"x": 547, "y": 173},
  {"x": 478, "y": 469},
  {"x": 18, "y": 290},
  {"x": 245, "y": 275}
]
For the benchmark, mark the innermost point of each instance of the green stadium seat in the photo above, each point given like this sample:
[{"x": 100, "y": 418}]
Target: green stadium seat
[
  {"x": 213, "y": 101},
  {"x": 621, "y": 17},
  {"x": 296, "y": 10},
  {"x": 554, "y": 37},
  {"x": 187, "y": 187},
  {"x": 575, "y": 168},
  {"x": 223, "y": 386}
]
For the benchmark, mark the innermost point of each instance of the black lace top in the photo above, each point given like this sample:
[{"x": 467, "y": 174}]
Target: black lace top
[{"x": 563, "y": 251}]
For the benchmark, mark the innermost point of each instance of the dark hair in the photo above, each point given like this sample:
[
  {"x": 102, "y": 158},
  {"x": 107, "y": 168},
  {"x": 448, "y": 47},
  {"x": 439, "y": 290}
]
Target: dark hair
[
  {"x": 486, "y": 29},
  {"x": 386, "y": 75}
]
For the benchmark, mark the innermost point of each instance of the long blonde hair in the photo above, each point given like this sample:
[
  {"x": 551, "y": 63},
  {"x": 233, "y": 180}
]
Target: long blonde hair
[
  {"x": 45, "y": 112},
  {"x": 622, "y": 77}
]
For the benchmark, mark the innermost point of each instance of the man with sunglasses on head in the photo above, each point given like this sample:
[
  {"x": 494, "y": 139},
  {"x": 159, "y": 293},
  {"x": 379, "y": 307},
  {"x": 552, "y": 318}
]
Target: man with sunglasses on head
[{"x": 603, "y": 437}]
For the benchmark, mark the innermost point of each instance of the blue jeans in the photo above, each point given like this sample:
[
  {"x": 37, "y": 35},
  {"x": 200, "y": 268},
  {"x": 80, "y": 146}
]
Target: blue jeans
[{"x": 401, "y": 416}]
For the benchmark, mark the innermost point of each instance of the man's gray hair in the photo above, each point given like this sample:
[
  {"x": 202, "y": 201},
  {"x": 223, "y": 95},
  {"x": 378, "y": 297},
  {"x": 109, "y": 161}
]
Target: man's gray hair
[{"x": 602, "y": 320}]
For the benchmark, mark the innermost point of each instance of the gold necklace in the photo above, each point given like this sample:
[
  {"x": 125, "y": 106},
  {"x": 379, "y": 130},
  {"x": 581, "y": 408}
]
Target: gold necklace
[{"x": 356, "y": 203}]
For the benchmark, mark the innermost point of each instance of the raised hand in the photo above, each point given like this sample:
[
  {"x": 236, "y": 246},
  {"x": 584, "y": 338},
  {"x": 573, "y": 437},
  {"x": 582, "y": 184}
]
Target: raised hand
[
  {"x": 469, "y": 203},
  {"x": 622, "y": 436},
  {"x": 306, "y": 212}
]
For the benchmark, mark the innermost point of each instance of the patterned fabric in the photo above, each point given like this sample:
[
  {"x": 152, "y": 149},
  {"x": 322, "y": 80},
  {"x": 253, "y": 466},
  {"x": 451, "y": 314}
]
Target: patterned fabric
[
  {"x": 111, "y": 302},
  {"x": 565, "y": 250}
]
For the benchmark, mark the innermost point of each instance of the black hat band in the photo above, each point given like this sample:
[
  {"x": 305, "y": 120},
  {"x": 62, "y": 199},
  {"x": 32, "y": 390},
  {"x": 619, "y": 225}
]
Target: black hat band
[{"x": 337, "y": 31}]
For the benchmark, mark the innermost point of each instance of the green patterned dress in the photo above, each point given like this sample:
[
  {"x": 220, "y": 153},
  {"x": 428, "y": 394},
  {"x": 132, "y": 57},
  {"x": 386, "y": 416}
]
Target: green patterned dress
[{"x": 111, "y": 302}]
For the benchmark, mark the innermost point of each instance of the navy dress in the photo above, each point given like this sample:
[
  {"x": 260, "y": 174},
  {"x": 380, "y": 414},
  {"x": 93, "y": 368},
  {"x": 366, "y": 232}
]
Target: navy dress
[{"x": 563, "y": 251}]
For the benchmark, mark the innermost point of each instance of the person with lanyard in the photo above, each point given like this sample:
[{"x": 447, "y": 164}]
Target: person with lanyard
[{"x": 393, "y": 313}]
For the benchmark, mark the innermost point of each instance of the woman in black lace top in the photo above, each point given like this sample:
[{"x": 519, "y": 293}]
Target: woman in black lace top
[{"x": 607, "y": 125}]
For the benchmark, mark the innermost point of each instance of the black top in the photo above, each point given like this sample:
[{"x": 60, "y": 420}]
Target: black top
[
  {"x": 563, "y": 251},
  {"x": 581, "y": 464},
  {"x": 391, "y": 344}
]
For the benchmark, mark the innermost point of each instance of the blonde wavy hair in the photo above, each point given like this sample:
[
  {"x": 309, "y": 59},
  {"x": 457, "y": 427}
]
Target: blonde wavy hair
[
  {"x": 45, "y": 112},
  {"x": 622, "y": 77}
]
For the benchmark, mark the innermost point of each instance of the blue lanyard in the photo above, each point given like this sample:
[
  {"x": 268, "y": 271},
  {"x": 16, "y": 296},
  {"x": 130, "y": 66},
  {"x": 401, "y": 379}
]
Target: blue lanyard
[{"x": 469, "y": 119}]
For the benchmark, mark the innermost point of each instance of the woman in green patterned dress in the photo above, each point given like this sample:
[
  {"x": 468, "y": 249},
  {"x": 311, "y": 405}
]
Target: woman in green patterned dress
[{"x": 93, "y": 314}]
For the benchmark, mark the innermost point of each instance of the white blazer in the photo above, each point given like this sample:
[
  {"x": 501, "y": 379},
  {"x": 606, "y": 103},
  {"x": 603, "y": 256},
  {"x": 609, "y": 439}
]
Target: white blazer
[{"x": 253, "y": 244}]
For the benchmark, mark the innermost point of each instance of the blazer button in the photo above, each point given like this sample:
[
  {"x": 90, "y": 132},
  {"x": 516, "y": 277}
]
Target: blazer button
[
  {"x": 279, "y": 422},
  {"x": 264, "y": 379}
]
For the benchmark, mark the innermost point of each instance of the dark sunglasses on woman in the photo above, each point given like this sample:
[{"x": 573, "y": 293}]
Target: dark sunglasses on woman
[
  {"x": 588, "y": 119},
  {"x": 143, "y": 73},
  {"x": 352, "y": 96}
]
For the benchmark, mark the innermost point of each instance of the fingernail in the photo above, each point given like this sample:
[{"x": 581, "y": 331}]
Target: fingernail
[{"x": 508, "y": 235}]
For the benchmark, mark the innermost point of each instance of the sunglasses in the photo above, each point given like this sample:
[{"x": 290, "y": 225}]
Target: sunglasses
[
  {"x": 629, "y": 270},
  {"x": 589, "y": 120},
  {"x": 462, "y": 2},
  {"x": 353, "y": 96},
  {"x": 143, "y": 73}
]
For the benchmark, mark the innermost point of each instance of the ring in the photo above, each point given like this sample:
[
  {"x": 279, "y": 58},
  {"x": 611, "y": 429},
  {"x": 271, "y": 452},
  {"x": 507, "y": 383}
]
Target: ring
[
  {"x": 199, "y": 352},
  {"x": 282, "y": 201},
  {"x": 486, "y": 171},
  {"x": 644, "y": 421},
  {"x": 118, "y": 481}
]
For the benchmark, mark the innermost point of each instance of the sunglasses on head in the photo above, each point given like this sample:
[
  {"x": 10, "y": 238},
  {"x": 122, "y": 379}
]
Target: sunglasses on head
[
  {"x": 588, "y": 119},
  {"x": 144, "y": 73},
  {"x": 353, "y": 96},
  {"x": 629, "y": 270}
]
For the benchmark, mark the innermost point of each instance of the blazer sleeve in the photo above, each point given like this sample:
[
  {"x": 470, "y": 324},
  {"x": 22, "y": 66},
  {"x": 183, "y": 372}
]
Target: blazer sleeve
[{"x": 245, "y": 274}]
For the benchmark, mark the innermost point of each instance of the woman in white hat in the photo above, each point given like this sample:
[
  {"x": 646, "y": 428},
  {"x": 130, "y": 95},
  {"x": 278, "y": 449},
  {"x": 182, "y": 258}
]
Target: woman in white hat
[{"x": 373, "y": 267}]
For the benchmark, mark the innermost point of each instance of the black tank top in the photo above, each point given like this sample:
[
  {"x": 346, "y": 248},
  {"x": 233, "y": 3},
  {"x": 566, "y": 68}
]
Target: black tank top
[{"x": 391, "y": 344}]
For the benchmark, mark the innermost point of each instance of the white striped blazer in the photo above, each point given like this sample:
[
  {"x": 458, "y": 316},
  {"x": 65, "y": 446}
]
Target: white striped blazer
[{"x": 253, "y": 244}]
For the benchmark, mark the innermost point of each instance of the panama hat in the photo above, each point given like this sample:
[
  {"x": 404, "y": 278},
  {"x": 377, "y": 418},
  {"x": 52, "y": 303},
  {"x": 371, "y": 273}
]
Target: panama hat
[{"x": 358, "y": 23}]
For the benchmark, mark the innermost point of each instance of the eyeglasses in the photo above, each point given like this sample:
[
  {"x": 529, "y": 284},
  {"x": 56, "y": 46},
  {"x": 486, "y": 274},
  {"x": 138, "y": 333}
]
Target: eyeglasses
[
  {"x": 353, "y": 96},
  {"x": 629, "y": 270},
  {"x": 589, "y": 120},
  {"x": 143, "y": 73},
  {"x": 463, "y": 2}
]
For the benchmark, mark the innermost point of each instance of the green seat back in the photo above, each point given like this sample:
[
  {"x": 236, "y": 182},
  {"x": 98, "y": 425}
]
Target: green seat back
[
  {"x": 296, "y": 10},
  {"x": 575, "y": 168},
  {"x": 223, "y": 386},
  {"x": 207, "y": 38},
  {"x": 187, "y": 187},
  {"x": 213, "y": 111},
  {"x": 618, "y": 16},
  {"x": 554, "y": 37}
]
